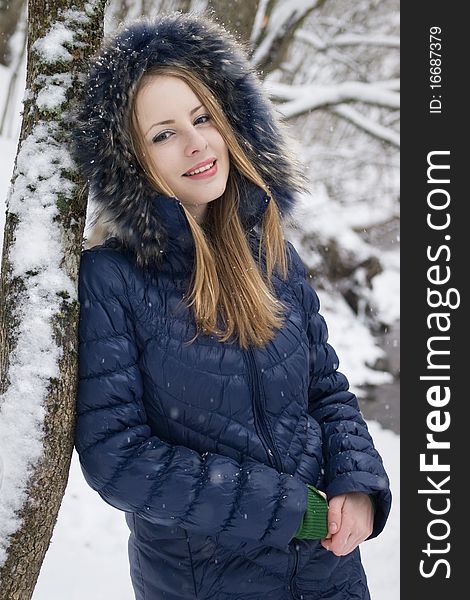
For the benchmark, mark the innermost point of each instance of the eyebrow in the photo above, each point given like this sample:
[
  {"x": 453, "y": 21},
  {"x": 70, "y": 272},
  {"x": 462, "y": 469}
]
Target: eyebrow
[{"x": 172, "y": 120}]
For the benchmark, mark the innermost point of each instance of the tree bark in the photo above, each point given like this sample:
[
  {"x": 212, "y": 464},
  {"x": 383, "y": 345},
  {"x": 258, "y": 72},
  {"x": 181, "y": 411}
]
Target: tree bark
[{"x": 26, "y": 547}]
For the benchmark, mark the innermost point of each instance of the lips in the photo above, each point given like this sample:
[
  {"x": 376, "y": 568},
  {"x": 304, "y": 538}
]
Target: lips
[{"x": 199, "y": 166}]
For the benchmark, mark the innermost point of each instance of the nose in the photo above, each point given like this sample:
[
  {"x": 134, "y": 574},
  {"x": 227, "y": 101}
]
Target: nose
[{"x": 195, "y": 142}]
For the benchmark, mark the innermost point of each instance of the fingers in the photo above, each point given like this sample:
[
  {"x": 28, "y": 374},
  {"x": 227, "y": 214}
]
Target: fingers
[
  {"x": 335, "y": 508},
  {"x": 352, "y": 515},
  {"x": 341, "y": 543},
  {"x": 341, "y": 547}
]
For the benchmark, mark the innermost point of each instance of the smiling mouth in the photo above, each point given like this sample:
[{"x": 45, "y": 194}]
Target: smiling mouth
[{"x": 201, "y": 170}]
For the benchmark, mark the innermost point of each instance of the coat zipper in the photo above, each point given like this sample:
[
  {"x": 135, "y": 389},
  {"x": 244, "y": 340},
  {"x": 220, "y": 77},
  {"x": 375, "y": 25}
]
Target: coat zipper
[
  {"x": 261, "y": 425},
  {"x": 294, "y": 573}
]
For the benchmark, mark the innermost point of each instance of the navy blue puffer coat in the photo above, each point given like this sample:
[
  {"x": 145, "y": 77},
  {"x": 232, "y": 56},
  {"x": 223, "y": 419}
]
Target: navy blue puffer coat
[{"x": 207, "y": 447}]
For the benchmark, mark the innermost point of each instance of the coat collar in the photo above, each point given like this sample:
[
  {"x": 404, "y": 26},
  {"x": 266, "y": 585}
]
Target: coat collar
[
  {"x": 180, "y": 241},
  {"x": 177, "y": 254}
]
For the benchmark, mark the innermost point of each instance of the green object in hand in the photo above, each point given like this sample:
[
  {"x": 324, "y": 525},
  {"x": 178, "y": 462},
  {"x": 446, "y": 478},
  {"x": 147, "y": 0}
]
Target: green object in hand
[{"x": 314, "y": 525}]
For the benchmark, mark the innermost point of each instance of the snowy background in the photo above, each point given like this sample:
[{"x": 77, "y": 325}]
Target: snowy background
[{"x": 87, "y": 558}]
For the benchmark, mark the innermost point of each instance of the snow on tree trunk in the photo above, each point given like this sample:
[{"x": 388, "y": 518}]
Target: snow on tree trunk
[{"x": 45, "y": 219}]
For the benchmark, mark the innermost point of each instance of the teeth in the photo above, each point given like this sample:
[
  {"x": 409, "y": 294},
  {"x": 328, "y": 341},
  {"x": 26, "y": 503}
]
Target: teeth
[{"x": 202, "y": 169}]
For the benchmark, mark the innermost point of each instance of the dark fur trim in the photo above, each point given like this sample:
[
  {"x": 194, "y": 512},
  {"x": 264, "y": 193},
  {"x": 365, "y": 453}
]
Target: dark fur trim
[{"x": 102, "y": 144}]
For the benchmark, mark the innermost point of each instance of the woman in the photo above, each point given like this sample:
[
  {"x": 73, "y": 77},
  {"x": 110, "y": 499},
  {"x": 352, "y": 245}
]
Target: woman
[{"x": 210, "y": 408}]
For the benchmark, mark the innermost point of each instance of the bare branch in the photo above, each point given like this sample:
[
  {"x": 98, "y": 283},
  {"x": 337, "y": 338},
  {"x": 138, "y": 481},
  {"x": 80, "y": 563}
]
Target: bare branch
[{"x": 368, "y": 125}]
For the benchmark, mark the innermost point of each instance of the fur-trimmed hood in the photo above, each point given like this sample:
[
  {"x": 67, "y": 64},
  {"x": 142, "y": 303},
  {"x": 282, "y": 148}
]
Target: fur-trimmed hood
[{"x": 140, "y": 218}]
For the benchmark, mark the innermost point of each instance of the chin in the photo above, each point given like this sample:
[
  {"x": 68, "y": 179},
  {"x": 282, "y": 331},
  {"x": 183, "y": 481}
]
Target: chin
[
  {"x": 220, "y": 190},
  {"x": 217, "y": 194},
  {"x": 208, "y": 195}
]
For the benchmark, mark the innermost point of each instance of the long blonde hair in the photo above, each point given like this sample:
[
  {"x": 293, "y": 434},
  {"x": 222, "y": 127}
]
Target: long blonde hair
[{"x": 227, "y": 281}]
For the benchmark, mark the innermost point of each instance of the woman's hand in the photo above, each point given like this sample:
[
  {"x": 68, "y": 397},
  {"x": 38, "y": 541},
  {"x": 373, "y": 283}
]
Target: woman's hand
[{"x": 350, "y": 522}]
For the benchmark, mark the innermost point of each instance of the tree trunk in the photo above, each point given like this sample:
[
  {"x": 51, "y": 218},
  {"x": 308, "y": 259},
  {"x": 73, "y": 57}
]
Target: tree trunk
[
  {"x": 36, "y": 399},
  {"x": 238, "y": 17},
  {"x": 10, "y": 13}
]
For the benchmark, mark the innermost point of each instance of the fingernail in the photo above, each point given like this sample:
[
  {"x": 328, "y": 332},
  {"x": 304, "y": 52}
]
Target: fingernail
[{"x": 333, "y": 527}]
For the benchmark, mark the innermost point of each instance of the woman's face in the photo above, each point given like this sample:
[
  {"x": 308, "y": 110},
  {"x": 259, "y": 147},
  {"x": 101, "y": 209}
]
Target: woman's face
[{"x": 180, "y": 137}]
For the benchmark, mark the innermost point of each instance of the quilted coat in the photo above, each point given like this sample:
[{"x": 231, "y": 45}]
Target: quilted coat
[{"x": 206, "y": 447}]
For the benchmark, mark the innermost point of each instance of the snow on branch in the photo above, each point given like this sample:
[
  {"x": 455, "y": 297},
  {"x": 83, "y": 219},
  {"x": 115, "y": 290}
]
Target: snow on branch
[
  {"x": 304, "y": 98},
  {"x": 284, "y": 15},
  {"x": 258, "y": 22},
  {"x": 368, "y": 125},
  {"x": 389, "y": 84},
  {"x": 348, "y": 39}
]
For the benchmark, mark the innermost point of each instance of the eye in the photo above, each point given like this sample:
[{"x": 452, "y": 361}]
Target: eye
[
  {"x": 160, "y": 137},
  {"x": 206, "y": 117},
  {"x": 165, "y": 135}
]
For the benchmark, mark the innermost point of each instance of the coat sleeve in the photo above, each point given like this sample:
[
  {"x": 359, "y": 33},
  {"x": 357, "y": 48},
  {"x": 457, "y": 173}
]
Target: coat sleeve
[
  {"x": 136, "y": 471},
  {"x": 352, "y": 463}
]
